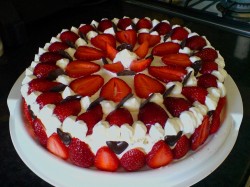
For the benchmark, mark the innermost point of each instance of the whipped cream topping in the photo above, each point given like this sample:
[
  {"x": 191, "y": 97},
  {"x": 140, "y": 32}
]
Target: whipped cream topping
[{"x": 126, "y": 57}]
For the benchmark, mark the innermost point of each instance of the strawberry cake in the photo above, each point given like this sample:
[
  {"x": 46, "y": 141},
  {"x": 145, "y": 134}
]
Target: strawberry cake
[{"x": 124, "y": 93}]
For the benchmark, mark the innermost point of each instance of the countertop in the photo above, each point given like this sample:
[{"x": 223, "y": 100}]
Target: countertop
[{"x": 235, "y": 49}]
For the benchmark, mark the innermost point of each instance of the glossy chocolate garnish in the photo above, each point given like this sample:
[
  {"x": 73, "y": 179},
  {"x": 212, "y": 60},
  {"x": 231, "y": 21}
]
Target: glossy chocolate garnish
[
  {"x": 95, "y": 102},
  {"x": 117, "y": 146},
  {"x": 54, "y": 74},
  {"x": 150, "y": 56},
  {"x": 65, "y": 54},
  {"x": 125, "y": 72},
  {"x": 64, "y": 136},
  {"x": 172, "y": 139},
  {"x": 70, "y": 43},
  {"x": 114, "y": 27},
  {"x": 31, "y": 113},
  {"x": 125, "y": 46},
  {"x": 58, "y": 88},
  {"x": 124, "y": 100},
  {"x": 71, "y": 97},
  {"x": 183, "y": 43},
  {"x": 105, "y": 61},
  {"x": 133, "y": 26},
  {"x": 167, "y": 36},
  {"x": 196, "y": 66},
  {"x": 83, "y": 36},
  {"x": 95, "y": 27},
  {"x": 168, "y": 91},
  {"x": 185, "y": 80},
  {"x": 210, "y": 113},
  {"x": 147, "y": 100}
]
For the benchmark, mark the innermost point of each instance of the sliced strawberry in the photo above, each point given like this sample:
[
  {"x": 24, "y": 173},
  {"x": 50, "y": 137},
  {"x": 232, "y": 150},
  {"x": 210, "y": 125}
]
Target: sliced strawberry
[
  {"x": 27, "y": 113},
  {"x": 200, "y": 134},
  {"x": 80, "y": 153},
  {"x": 143, "y": 23},
  {"x": 195, "y": 93},
  {"x": 67, "y": 108},
  {"x": 182, "y": 147},
  {"x": 79, "y": 68},
  {"x": 196, "y": 42},
  {"x": 152, "y": 39},
  {"x": 124, "y": 23},
  {"x": 106, "y": 159},
  {"x": 87, "y": 53},
  {"x": 146, "y": 85},
  {"x": 68, "y": 36},
  {"x": 142, "y": 50},
  {"x": 42, "y": 85},
  {"x": 120, "y": 117},
  {"x": 115, "y": 89},
  {"x": 151, "y": 113},
  {"x": 56, "y": 146},
  {"x": 133, "y": 160},
  {"x": 140, "y": 65},
  {"x": 50, "y": 57},
  {"x": 208, "y": 67},
  {"x": 91, "y": 117},
  {"x": 104, "y": 24},
  {"x": 49, "y": 98},
  {"x": 207, "y": 54},
  {"x": 115, "y": 67},
  {"x": 176, "y": 105},
  {"x": 57, "y": 46},
  {"x": 42, "y": 70},
  {"x": 167, "y": 73},
  {"x": 207, "y": 80},
  {"x": 128, "y": 36},
  {"x": 179, "y": 59},
  {"x": 92, "y": 82},
  {"x": 101, "y": 40},
  {"x": 165, "y": 48},
  {"x": 179, "y": 33},
  {"x": 160, "y": 155},
  {"x": 84, "y": 29},
  {"x": 162, "y": 28},
  {"x": 40, "y": 132},
  {"x": 110, "y": 52}
]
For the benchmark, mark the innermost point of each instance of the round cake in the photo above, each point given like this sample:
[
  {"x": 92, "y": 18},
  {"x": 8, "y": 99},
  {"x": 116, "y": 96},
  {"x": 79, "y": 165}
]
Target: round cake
[{"x": 124, "y": 93}]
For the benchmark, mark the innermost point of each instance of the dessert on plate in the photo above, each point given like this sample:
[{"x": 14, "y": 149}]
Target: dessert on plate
[{"x": 124, "y": 93}]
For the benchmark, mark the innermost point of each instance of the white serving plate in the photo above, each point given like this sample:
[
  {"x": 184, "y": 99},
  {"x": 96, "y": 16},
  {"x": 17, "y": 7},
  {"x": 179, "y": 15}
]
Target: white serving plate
[{"x": 196, "y": 165}]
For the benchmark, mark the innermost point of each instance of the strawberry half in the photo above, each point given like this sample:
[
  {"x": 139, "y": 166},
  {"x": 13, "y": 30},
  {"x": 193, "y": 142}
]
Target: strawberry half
[
  {"x": 179, "y": 59},
  {"x": 160, "y": 155},
  {"x": 50, "y": 57},
  {"x": 115, "y": 90},
  {"x": 146, "y": 85},
  {"x": 176, "y": 105},
  {"x": 101, "y": 40},
  {"x": 42, "y": 70},
  {"x": 92, "y": 82},
  {"x": 195, "y": 93},
  {"x": 115, "y": 67},
  {"x": 106, "y": 159},
  {"x": 26, "y": 112},
  {"x": 42, "y": 85},
  {"x": 87, "y": 53},
  {"x": 182, "y": 147},
  {"x": 196, "y": 42},
  {"x": 142, "y": 50},
  {"x": 120, "y": 117},
  {"x": 79, "y": 68},
  {"x": 49, "y": 98},
  {"x": 133, "y": 160},
  {"x": 127, "y": 36},
  {"x": 57, "y": 147},
  {"x": 162, "y": 28},
  {"x": 40, "y": 132},
  {"x": 69, "y": 36},
  {"x": 163, "y": 49},
  {"x": 152, "y": 39},
  {"x": 57, "y": 46},
  {"x": 84, "y": 29},
  {"x": 124, "y": 23},
  {"x": 207, "y": 80},
  {"x": 179, "y": 33},
  {"x": 143, "y": 23},
  {"x": 208, "y": 67},
  {"x": 110, "y": 52},
  {"x": 140, "y": 65},
  {"x": 207, "y": 54},
  {"x": 104, "y": 24},
  {"x": 80, "y": 153}
]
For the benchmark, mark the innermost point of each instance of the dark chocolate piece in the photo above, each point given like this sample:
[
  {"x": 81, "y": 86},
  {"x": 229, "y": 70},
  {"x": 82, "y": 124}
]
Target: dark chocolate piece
[
  {"x": 72, "y": 97},
  {"x": 168, "y": 91},
  {"x": 166, "y": 36},
  {"x": 183, "y": 43},
  {"x": 125, "y": 46},
  {"x": 210, "y": 113},
  {"x": 95, "y": 102},
  {"x": 123, "y": 100},
  {"x": 54, "y": 74},
  {"x": 196, "y": 66},
  {"x": 70, "y": 43},
  {"x": 64, "y": 136},
  {"x": 172, "y": 139},
  {"x": 58, "y": 88},
  {"x": 96, "y": 30},
  {"x": 125, "y": 73},
  {"x": 105, "y": 61},
  {"x": 150, "y": 56},
  {"x": 117, "y": 146},
  {"x": 147, "y": 100},
  {"x": 83, "y": 36},
  {"x": 133, "y": 26},
  {"x": 65, "y": 55},
  {"x": 185, "y": 80},
  {"x": 114, "y": 27}
]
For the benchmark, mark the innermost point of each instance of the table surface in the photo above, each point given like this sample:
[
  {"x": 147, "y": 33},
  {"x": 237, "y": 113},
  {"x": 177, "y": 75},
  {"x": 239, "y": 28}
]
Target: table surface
[{"x": 234, "y": 171}]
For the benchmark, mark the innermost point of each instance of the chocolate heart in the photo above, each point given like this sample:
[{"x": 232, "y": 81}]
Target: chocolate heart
[
  {"x": 117, "y": 146},
  {"x": 58, "y": 88},
  {"x": 196, "y": 66},
  {"x": 185, "y": 80},
  {"x": 172, "y": 139},
  {"x": 64, "y": 136},
  {"x": 125, "y": 46},
  {"x": 54, "y": 74}
]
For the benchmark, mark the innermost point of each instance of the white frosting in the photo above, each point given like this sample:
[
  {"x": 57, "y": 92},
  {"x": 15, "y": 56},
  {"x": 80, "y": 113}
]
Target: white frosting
[
  {"x": 172, "y": 126},
  {"x": 156, "y": 132},
  {"x": 67, "y": 92},
  {"x": 125, "y": 57},
  {"x": 188, "y": 122},
  {"x": 62, "y": 63},
  {"x": 64, "y": 79},
  {"x": 132, "y": 104},
  {"x": 107, "y": 106}
]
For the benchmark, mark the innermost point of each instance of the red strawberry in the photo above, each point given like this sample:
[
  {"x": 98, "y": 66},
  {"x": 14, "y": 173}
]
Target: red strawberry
[
  {"x": 133, "y": 160},
  {"x": 195, "y": 93},
  {"x": 57, "y": 46},
  {"x": 119, "y": 117},
  {"x": 115, "y": 89},
  {"x": 208, "y": 67},
  {"x": 143, "y": 23},
  {"x": 49, "y": 98},
  {"x": 176, "y": 105},
  {"x": 67, "y": 108},
  {"x": 91, "y": 117},
  {"x": 92, "y": 82},
  {"x": 87, "y": 53},
  {"x": 69, "y": 36},
  {"x": 85, "y": 29},
  {"x": 50, "y": 57},
  {"x": 162, "y": 28},
  {"x": 115, "y": 67},
  {"x": 207, "y": 54},
  {"x": 128, "y": 37},
  {"x": 200, "y": 134},
  {"x": 207, "y": 80},
  {"x": 196, "y": 42},
  {"x": 80, "y": 153},
  {"x": 110, "y": 52},
  {"x": 151, "y": 113},
  {"x": 56, "y": 146},
  {"x": 177, "y": 59},
  {"x": 106, "y": 159},
  {"x": 42, "y": 85},
  {"x": 79, "y": 68},
  {"x": 142, "y": 50},
  {"x": 140, "y": 65},
  {"x": 146, "y": 85},
  {"x": 104, "y": 24},
  {"x": 40, "y": 132},
  {"x": 181, "y": 148},
  {"x": 101, "y": 40},
  {"x": 167, "y": 73},
  {"x": 179, "y": 33},
  {"x": 124, "y": 23},
  {"x": 152, "y": 39},
  {"x": 165, "y": 48},
  {"x": 42, "y": 70},
  {"x": 27, "y": 114},
  {"x": 160, "y": 155}
]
